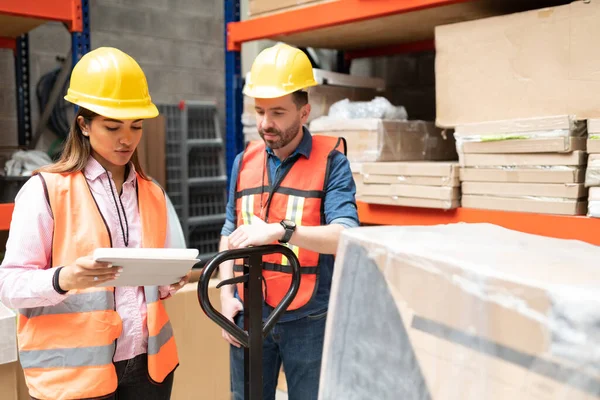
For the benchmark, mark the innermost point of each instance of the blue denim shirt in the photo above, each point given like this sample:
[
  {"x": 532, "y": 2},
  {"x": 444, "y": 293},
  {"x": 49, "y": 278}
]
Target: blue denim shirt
[{"x": 339, "y": 208}]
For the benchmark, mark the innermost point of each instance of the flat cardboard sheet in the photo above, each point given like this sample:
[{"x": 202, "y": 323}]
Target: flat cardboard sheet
[
  {"x": 524, "y": 175},
  {"x": 148, "y": 267}
]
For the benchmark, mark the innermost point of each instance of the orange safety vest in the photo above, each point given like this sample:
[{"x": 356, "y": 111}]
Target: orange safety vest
[
  {"x": 67, "y": 350},
  {"x": 298, "y": 196}
]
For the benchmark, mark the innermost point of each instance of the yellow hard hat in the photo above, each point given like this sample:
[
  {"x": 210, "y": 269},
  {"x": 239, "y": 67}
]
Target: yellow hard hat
[
  {"x": 111, "y": 83},
  {"x": 277, "y": 71}
]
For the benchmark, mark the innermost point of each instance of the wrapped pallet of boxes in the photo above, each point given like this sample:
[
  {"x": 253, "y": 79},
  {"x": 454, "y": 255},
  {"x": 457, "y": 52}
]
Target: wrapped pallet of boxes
[
  {"x": 526, "y": 165},
  {"x": 12, "y": 380},
  {"x": 592, "y": 174},
  {"x": 412, "y": 184},
  {"x": 543, "y": 62},
  {"x": 333, "y": 87},
  {"x": 375, "y": 139},
  {"x": 462, "y": 312}
]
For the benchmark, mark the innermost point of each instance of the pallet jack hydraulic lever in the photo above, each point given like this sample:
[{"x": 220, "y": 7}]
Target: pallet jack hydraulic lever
[{"x": 251, "y": 337}]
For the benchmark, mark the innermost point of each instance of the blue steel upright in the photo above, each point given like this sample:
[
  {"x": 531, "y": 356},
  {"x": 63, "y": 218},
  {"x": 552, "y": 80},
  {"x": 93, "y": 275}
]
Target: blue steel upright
[
  {"x": 80, "y": 41},
  {"x": 234, "y": 137},
  {"x": 22, "y": 86}
]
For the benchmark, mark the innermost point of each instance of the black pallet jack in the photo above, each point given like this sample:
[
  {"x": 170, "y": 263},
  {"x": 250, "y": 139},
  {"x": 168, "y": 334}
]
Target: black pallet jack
[{"x": 251, "y": 337}]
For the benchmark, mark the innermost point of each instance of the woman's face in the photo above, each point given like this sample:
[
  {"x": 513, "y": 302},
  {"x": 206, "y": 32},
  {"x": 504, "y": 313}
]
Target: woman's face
[{"x": 112, "y": 140}]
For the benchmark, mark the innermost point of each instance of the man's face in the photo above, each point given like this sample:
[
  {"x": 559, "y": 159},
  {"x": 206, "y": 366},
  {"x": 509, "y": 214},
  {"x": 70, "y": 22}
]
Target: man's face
[{"x": 279, "y": 120}]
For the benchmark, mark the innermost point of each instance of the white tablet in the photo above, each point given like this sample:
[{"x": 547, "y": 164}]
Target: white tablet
[{"x": 147, "y": 267}]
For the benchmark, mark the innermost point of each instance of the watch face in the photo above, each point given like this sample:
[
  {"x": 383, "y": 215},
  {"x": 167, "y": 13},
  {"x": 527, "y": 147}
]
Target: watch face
[{"x": 289, "y": 223}]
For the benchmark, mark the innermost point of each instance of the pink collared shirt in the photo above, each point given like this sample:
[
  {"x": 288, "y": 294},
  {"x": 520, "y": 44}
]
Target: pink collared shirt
[{"x": 26, "y": 274}]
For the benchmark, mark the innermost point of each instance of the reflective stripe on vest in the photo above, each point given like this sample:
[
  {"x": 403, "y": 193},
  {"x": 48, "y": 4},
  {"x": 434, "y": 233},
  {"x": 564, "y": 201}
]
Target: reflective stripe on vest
[
  {"x": 297, "y": 196},
  {"x": 67, "y": 350}
]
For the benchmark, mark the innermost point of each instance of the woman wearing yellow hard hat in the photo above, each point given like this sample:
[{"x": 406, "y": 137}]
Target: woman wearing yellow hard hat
[{"x": 78, "y": 340}]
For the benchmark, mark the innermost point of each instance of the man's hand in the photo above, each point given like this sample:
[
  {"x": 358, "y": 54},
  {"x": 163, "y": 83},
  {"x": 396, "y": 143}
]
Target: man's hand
[
  {"x": 230, "y": 307},
  {"x": 257, "y": 234},
  {"x": 176, "y": 286}
]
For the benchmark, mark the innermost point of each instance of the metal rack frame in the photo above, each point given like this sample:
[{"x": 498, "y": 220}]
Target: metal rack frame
[
  {"x": 343, "y": 14},
  {"x": 74, "y": 14}
]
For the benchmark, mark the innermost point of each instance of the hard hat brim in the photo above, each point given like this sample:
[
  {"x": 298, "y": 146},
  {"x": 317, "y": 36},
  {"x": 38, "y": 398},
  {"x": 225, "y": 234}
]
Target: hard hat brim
[
  {"x": 129, "y": 113},
  {"x": 273, "y": 92}
]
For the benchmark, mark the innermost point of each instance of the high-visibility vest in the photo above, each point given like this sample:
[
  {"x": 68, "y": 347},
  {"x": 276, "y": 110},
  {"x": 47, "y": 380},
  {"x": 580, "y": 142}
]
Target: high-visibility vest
[
  {"x": 67, "y": 350},
  {"x": 298, "y": 196}
]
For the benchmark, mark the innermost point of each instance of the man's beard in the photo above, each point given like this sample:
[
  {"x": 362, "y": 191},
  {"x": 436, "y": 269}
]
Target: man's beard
[{"x": 283, "y": 138}]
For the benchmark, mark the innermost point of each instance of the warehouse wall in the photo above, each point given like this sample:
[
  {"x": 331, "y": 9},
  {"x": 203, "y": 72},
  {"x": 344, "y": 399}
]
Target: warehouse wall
[{"x": 178, "y": 43}]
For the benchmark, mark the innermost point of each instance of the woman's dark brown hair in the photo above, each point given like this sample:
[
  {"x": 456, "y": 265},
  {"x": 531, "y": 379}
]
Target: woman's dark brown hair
[{"x": 78, "y": 149}]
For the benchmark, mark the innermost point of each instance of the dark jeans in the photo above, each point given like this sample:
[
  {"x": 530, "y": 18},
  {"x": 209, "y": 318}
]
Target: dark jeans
[
  {"x": 298, "y": 345},
  {"x": 134, "y": 383}
]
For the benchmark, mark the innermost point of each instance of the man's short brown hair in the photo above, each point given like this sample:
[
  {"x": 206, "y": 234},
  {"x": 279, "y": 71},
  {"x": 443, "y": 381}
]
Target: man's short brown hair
[{"x": 300, "y": 98}]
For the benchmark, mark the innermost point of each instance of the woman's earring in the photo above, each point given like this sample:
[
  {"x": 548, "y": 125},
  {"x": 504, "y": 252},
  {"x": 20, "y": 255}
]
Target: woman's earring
[{"x": 85, "y": 133}]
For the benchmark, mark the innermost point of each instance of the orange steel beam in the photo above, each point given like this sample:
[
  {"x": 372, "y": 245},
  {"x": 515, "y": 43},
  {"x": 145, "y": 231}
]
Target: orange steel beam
[
  {"x": 8, "y": 43},
  {"x": 67, "y": 11},
  {"x": 321, "y": 16},
  {"x": 6, "y": 210},
  {"x": 558, "y": 226}
]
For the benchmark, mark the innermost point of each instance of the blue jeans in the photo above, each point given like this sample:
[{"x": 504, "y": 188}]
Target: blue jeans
[{"x": 298, "y": 345}]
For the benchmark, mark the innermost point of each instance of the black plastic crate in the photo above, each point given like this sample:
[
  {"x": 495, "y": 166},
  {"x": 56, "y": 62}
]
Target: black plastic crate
[
  {"x": 207, "y": 200},
  {"x": 203, "y": 121},
  {"x": 205, "y": 162},
  {"x": 206, "y": 239}
]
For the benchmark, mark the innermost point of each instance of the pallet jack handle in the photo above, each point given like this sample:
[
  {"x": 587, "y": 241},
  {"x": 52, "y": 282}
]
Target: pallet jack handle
[
  {"x": 252, "y": 340},
  {"x": 254, "y": 254}
]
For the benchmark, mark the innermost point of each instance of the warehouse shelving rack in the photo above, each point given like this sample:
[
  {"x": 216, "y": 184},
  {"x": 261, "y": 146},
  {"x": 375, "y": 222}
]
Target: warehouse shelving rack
[
  {"x": 17, "y": 18},
  {"x": 363, "y": 28}
]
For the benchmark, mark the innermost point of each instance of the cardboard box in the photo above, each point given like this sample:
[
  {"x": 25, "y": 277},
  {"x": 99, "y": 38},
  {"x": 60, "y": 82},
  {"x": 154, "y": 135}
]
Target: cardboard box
[
  {"x": 543, "y": 62},
  {"x": 410, "y": 202},
  {"x": 372, "y": 140},
  {"x": 203, "y": 371},
  {"x": 531, "y": 135},
  {"x": 504, "y": 189},
  {"x": 412, "y": 173},
  {"x": 538, "y": 205},
  {"x": 266, "y": 7},
  {"x": 12, "y": 380},
  {"x": 576, "y": 158},
  {"x": 592, "y": 172},
  {"x": 524, "y": 175},
  {"x": 462, "y": 312},
  {"x": 593, "y": 142},
  {"x": 415, "y": 191},
  {"x": 151, "y": 149},
  {"x": 429, "y": 169}
]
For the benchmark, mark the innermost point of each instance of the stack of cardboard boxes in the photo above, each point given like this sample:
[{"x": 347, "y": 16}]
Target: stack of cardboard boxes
[
  {"x": 592, "y": 175},
  {"x": 518, "y": 89},
  {"x": 398, "y": 162},
  {"x": 527, "y": 165},
  {"x": 411, "y": 184}
]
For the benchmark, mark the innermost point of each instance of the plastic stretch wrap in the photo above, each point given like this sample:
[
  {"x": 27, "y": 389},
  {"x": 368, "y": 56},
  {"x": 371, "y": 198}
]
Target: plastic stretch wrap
[
  {"x": 372, "y": 139},
  {"x": 379, "y": 107},
  {"x": 462, "y": 312},
  {"x": 594, "y": 208},
  {"x": 592, "y": 172},
  {"x": 546, "y": 134},
  {"x": 23, "y": 163}
]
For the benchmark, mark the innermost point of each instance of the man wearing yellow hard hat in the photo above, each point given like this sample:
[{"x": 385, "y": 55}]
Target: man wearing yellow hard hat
[
  {"x": 291, "y": 188},
  {"x": 78, "y": 340}
]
